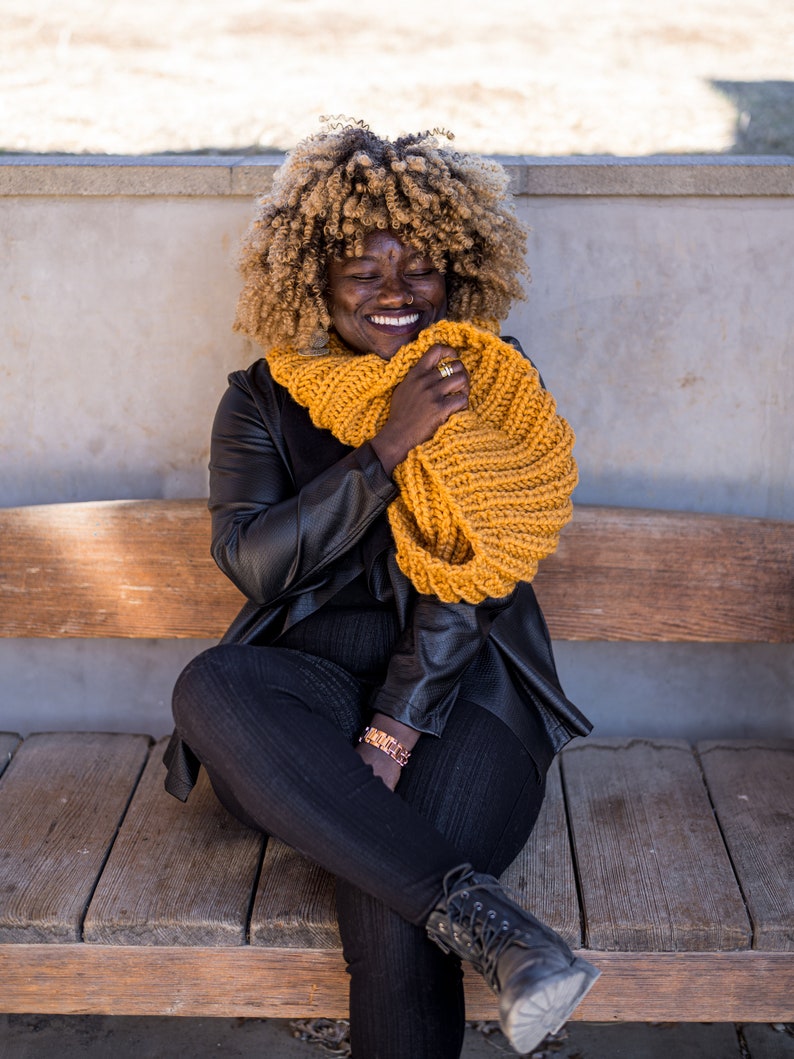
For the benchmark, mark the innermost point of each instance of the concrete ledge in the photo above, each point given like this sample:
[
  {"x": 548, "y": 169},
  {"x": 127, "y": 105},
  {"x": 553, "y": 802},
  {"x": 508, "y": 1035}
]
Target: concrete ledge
[
  {"x": 241, "y": 175},
  {"x": 704, "y": 177}
]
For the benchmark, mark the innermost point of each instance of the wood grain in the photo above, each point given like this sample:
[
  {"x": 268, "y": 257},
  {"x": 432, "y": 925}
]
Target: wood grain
[
  {"x": 542, "y": 877},
  {"x": 129, "y": 568},
  {"x": 61, "y": 800},
  {"x": 141, "y": 568},
  {"x": 295, "y": 903},
  {"x": 624, "y": 574},
  {"x": 662, "y": 910},
  {"x": 179, "y": 874},
  {"x": 674, "y": 987},
  {"x": 653, "y": 871},
  {"x": 257, "y": 982},
  {"x": 751, "y": 783}
]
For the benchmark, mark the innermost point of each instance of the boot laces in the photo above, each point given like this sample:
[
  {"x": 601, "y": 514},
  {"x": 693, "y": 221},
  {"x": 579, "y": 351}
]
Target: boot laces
[{"x": 489, "y": 933}]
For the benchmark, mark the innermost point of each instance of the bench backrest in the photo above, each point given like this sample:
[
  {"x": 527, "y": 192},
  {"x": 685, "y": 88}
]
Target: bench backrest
[{"x": 141, "y": 568}]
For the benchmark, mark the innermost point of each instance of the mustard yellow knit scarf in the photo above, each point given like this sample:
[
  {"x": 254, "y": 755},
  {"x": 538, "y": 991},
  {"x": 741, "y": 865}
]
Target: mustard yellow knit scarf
[{"x": 484, "y": 500}]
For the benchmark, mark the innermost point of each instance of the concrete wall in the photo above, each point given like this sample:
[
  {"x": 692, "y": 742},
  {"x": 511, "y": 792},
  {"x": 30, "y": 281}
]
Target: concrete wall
[{"x": 660, "y": 315}]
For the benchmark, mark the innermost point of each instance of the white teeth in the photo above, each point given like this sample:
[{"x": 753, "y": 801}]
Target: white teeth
[{"x": 394, "y": 321}]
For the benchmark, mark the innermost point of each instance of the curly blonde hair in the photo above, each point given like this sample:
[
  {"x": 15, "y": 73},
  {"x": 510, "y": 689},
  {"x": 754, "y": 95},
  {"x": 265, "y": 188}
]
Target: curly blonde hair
[{"x": 340, "y": 184}]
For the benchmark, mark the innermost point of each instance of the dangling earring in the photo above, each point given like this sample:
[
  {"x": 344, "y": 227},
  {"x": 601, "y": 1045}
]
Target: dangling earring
[{"x": 318, "y": 345}]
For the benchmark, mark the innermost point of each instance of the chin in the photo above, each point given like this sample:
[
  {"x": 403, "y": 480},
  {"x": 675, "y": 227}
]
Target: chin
[
  {"x": 389, "y": 349},
  {"x": 392, "y": 351}
]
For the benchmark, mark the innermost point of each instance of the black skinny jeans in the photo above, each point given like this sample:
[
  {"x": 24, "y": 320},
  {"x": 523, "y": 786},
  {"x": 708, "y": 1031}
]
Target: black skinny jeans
[{"x": 276, "y": 727}]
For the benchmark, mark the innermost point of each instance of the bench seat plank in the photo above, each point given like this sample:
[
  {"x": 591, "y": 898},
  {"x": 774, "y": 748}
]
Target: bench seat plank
[
  {"x": 257, "y": 982},
  {"x": 542, "y": 876},
  {"x": 61, "y": 801},
  {"x": 179, "y": 874},
  {"x": 295, "y": 905},
  {"x": 9, "y": 741},
  {"x": 752, "y": 787},
  {"x": 653, "y": 870}
]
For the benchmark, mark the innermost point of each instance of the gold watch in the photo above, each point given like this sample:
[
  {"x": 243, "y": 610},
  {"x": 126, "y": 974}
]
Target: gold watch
[{"x": 387, "y": 743}]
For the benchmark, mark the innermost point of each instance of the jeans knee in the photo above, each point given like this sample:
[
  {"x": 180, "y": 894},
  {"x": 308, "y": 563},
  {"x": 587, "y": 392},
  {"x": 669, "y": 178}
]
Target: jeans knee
[{"x": 193, "y": 691}]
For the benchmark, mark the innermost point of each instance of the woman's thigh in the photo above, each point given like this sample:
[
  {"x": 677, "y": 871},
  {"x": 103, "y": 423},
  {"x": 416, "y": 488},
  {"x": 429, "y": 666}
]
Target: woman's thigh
[
  {"x": 275, "y": 730},
  {"x": 237, "y": 696},
  {"x": 477, "y": 785},
  {"x": 242, "y": 685}
]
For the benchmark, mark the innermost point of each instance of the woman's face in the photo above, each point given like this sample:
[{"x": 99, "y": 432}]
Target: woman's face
[{"x": 382, "y": 300}]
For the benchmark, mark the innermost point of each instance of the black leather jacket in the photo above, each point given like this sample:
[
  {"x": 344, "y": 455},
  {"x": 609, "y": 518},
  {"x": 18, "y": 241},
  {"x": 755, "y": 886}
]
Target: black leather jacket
[{"x": 297, "y": 516}]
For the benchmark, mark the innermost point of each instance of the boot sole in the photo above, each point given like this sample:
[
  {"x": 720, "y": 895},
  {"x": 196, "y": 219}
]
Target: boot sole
[{"x": 532, "y": 1017}]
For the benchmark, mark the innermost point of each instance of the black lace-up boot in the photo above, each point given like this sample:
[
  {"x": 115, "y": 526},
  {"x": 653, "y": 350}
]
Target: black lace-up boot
[{"x": 537, "y": 978}]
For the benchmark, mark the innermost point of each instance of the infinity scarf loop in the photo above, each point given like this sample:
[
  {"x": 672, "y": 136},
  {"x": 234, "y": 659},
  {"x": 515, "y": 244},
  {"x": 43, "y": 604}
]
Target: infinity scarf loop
[{"x": 485, "y": 499}]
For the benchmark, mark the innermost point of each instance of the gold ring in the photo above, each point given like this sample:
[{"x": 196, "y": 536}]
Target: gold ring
[{"x": 446, "y": 369}]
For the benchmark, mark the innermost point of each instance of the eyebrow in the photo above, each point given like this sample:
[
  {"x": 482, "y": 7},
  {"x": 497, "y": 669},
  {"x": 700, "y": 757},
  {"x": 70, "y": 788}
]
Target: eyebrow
[{"x": 370, "y": 259}]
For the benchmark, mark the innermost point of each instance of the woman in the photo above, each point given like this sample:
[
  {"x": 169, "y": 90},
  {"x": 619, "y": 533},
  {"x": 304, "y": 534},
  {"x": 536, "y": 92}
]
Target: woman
[{"x": 383, "y": 485}]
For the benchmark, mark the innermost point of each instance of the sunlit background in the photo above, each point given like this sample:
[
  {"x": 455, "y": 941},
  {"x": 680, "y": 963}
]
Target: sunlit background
[{"x": 552, "y": 77}]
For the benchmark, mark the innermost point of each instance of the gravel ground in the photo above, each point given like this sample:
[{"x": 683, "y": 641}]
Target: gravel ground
[
  {"x": 97, "y": 1037},
  {"x": 554, "y": 77}
]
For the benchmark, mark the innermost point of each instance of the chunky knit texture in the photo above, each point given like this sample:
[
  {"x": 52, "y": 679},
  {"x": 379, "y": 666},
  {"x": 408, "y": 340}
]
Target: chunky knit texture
[{"x": 485, "y": 499}]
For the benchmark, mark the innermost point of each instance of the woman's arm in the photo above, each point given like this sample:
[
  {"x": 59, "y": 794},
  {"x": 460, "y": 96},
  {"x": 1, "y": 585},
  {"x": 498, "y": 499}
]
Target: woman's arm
[
  {"x": 421, "y": 683},
  {"x": 438, "y": 644},
  {"x": 272, "y": 540}
]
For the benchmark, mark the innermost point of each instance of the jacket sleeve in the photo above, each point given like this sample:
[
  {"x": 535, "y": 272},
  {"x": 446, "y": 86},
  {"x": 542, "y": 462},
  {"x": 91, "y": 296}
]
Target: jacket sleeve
[
  {"x": 439, "y": 642},
  {"x": 437, "y": 645},
  {"x": 271, "y": 540}
]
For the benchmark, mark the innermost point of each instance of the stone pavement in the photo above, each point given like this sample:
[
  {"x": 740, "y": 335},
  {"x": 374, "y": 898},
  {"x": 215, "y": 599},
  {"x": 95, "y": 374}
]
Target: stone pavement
[
  {"x": 554, "y": 77},
  {"x": 100, "y": 1037}
]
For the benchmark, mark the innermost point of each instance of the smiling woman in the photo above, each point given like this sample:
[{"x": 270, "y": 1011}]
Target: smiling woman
[
  {"x": 336, "y": 190},
  {"x": 383, "y": 484},
  {"x": 384, "y": 298}
]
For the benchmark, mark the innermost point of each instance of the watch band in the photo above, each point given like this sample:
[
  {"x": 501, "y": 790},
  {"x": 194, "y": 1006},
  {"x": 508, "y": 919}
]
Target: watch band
[{"x": 387, "y": 743}]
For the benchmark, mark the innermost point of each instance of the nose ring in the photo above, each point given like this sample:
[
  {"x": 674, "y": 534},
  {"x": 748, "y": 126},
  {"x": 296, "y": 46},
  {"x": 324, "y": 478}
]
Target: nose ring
[{"x": 410, "y": 301}]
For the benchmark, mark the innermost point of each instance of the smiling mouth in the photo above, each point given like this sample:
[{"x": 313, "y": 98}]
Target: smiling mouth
[{"x": 405, "y": 320}]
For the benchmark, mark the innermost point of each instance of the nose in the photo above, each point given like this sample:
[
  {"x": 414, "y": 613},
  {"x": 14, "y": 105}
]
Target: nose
[{"x": 394, "y": 291}]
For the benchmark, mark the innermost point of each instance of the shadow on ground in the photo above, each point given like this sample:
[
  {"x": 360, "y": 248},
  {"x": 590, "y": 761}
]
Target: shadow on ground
[
  {"x": 764, "y": 115},
  {"x": 98, "y": 1036}
]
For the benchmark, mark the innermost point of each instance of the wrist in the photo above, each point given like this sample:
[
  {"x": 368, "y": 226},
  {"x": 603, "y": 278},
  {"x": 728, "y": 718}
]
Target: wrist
[
  {"x": 386, "y": 743},
  {"x": 402, "y": 732},
  {"x": 390, "y": 451}
]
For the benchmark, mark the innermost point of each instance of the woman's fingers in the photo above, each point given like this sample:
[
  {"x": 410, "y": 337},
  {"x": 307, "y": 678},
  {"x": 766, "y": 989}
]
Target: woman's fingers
[
  {"x": 434, "y": 389},
  {"x": 445, "y": 361}
]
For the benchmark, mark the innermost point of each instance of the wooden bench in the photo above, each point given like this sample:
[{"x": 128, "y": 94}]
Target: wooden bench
[{"x": 670, "y": 866}]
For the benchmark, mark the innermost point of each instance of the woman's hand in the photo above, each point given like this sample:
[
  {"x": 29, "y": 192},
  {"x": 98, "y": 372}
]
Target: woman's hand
[
  {"x": 420, "y": 404},
  {"x": 384, "y": 767}
]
